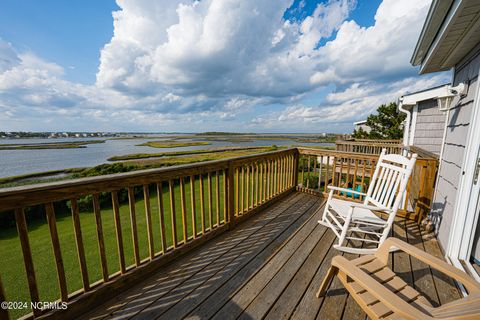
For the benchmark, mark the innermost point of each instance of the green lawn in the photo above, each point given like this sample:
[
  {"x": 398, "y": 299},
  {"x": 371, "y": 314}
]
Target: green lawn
[{"x": 12, "y": 268}]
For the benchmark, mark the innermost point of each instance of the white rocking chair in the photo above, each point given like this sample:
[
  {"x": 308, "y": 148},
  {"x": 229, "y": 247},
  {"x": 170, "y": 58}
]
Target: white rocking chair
[{"x": 385, "y": 192}]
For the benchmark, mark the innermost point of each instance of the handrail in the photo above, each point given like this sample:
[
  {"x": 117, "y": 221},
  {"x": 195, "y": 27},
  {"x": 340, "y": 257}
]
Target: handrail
[{"x": 369, "y": 146}]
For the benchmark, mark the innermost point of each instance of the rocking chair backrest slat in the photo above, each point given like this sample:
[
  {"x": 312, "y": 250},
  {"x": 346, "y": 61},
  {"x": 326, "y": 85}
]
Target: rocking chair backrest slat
[{"x": 389, "y": 180}]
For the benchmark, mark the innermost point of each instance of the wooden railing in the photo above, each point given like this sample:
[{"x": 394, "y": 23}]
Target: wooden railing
[
  {"x": 421, "y": 186},
  {"x": 368, "y": 146},
  {"x": 181, "y": 207},
  {"x": 108, "y": 232},
  {"x": 321, "y": 168}
]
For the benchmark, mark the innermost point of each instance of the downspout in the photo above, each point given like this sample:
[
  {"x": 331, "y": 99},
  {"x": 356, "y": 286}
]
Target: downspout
[
  {"x": 406, "y": 128},
  {"x": 406, "y": 132}
]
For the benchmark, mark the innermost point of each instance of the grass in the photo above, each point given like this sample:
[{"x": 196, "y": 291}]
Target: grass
[
  {"x": 135, "y": 156},
  {"x": 173, "y": 161},
  {"x": 12, "y": 271},
  {"x": 173, "y": 144},
  {"x": 49, "y": 145}
]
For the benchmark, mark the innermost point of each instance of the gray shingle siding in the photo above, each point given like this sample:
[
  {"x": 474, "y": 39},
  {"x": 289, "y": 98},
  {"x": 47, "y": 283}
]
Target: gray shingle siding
[
  {"x": 429, "y": 126},
  {"x": 451, "y": 164}
]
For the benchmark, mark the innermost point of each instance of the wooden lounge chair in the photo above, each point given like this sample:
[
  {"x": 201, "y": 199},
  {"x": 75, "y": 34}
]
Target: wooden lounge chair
[
  {"x": 351, "y": 220},
  {"x": 384, "y": 295}
]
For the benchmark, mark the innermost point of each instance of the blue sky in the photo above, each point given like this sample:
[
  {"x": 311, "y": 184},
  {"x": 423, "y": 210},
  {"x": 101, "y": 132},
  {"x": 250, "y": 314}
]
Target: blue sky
[{"x": 301, "y": 66}]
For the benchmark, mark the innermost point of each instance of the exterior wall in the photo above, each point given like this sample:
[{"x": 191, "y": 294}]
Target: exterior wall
[
  {"x": 364, "y": 127},
  {"x": 429, "y": 126},
  {"x": 451, "y": 164}
]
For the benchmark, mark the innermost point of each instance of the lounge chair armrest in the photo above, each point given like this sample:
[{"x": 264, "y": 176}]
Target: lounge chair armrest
[
  {"x": 332, "y": 188},
  {"x": 442, "y": 266},
  {"x": 387, "y": 297}
]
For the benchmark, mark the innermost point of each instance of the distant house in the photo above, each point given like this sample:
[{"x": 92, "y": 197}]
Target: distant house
[
  {"x": 425, "y": 122},
  {"x": 450, "y": 40},
  {"x": 362, "y": 125}
]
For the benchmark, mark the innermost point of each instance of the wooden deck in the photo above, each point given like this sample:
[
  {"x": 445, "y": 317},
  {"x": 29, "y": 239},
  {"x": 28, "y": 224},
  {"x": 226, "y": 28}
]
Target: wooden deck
[{"x": 268, "y": 267}]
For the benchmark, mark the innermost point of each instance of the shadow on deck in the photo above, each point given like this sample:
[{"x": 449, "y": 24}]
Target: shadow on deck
[{"x": 269, "y": 266}]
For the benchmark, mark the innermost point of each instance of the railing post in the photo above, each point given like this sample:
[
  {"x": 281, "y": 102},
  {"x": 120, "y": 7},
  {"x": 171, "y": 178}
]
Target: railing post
[
  {"x": 296, "y": 159},
  {"x": 3, "y": 311},
  {"x": 229, "y": 196}
]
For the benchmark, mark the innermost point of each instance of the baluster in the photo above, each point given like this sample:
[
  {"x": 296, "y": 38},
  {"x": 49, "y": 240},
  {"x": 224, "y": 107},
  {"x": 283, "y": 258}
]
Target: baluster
[
  {"x": 237, "y": 190},
  {"x": 210, "y": 200},
  {"x": 217, "y": 198},
  {"x": 79, "y": 243},
  {"x": 326, "y": 173},
  {"x": 364, "y": 168},
  {"x": 3, "y": 311},
  {"x": 161, "y": 213},
  {"x": 52, "y": 225},
  {"x": 278, "y": 173},
  {"x": 133, "y": 224},
  {"x": 184, "y": 210},
  {"x": 252, "y": 180},
  {"x": 256, "y": 184},
  {"x": 260, "y": 183},
  {"x": 320, "y": 174},
  {"x": 148, "y": 219},
  {"x": 27, "y": 257},
  {"x": 334, "y": 171},
  {"x": 308, "y": 172},
  {"x": 302, "y": 161},
  {"x": 264, "y": 181},
  {"x": 242, "y": 190},
  {"x": 202, "y": 204},
  {"x": 372, "y": 168},
  {"x": 247, "y": 186},
  {"x": 225, "y": 196},
  {"x": 173, "y": 215},
  {"x": 101, "y": 242},
  {"x": 348, "y": 175},
  {"x": 193, "y": 204},
  {"x": 267, "y": 180}
]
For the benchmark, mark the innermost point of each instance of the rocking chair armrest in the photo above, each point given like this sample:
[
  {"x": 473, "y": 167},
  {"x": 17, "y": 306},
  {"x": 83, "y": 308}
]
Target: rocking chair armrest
[
  {"x": 369, "y": 207},
  {"x": 387, "y": 297},
  {"x": 470, "y": 284},
  {"x": 332, "y": 188}
]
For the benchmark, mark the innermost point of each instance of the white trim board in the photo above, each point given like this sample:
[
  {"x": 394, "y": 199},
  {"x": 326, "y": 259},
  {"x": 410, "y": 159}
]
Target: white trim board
[{"x": 464, "y": 217}]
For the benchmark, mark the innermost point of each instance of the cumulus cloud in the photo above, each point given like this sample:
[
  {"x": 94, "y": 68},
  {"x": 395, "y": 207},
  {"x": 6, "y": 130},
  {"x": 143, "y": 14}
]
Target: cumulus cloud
[
  {"x": 224, "y": 64},
  {"x": 217, "y": 48},
  {"x": 379, "y": 52},
  {"x": 356, "y": 102}
]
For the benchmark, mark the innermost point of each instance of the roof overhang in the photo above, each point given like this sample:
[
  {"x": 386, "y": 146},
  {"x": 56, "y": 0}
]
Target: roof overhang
[
  {"x": 359, "y": 122},
  {"x": 450, "y": 32},
  {"x": 409, "y": 100}
]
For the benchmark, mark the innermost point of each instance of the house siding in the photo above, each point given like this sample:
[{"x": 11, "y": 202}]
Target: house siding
[
  {"x": 451, "y": 163},
  {"x": 429, "y": 126}
]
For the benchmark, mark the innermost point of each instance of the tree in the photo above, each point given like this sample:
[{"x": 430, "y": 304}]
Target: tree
[{"x": 387, "y": 123}]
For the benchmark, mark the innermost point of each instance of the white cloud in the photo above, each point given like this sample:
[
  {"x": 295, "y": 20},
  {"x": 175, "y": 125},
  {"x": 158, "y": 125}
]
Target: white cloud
[
  {"x": 217, "y": 62},
  {"x": 381, "y": 51},
  {"x": 345, "y": 107}
]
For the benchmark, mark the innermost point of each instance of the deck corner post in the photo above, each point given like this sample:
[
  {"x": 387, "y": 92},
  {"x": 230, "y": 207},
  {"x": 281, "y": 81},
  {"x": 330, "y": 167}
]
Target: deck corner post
[
  {"x": 296, "y": 157},
  {"x": 229, "y": 195}
]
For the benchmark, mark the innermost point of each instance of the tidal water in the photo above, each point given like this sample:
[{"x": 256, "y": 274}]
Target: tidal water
[{"x": 19, "y": 162}]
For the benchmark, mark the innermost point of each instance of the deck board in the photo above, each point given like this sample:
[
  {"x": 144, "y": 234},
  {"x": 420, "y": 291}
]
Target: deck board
[{"x": 269, "y": 267}]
